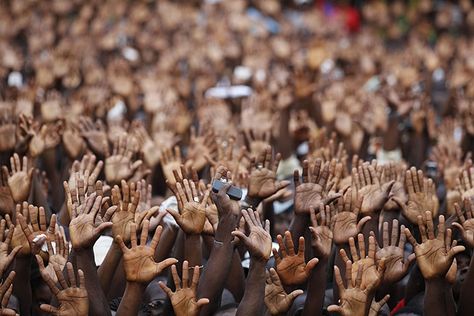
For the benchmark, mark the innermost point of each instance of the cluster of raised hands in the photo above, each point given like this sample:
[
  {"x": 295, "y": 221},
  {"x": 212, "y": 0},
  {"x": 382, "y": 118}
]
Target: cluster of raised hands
[
  {"x": 121, "y": 171},
  {"x": 344, "y": 251}
]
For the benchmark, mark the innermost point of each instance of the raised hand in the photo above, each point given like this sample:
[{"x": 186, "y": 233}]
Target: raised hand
[
  {"x": 87, "y": 223},
  {"x": 184, "y": 298},
  {"x": 276, "y": 299},
  {"x": 257, "y": 141},
  {"x": 222, "y": 201},
  {"x": 6, "y": 289},
  {"x": 170, "y": 161},
  {"x": 449, "y": 163},
  {"x": 375, "y": 307},
  {"x": 396, "y": 267},
  {"x": 7, "y": 130},
  {"x": 32, "y": 221},
  {"x": 7, "y": 205},
  {"x": 72, "y": 298},
  {"x": 151, "y": 150},
  {"x": 86, "y": 170},
  {"x": 373, "y": 271},
  {"x": 145, "y": 195},
  {"x": 39, "y": 137},
  {"x": 262, "y": 178},
  {"x": 6, "y": 257},
  {"x": 95, "y": 135},
  {"x": 466, "y": 225},
  {"x": 19, "y": 180},
  {"x": 138, "y": 261},
  {"x": 366, "y": 183},
  {"x": 126, "y": 205},
  {"x": 259, "y": 241},
  {"x": 145, "y": 210},
  {"x": 192, "y": 208},
  {"x": 312, "y": 191},
  {"x": 119, "y": 165},
  {"x": 229, "y": 159},
  {"x": 435, "y": 254},
  {"x": 395, "y": 172},
  {"x": 200, "y": 146},
  {"x": 354, "y": 297},
  {"x": 322, "y": 232},
  {"x": 421, "y": 196},
  {"x": 346, "y": 222},
  {"x": 466, "y": 183},
  {"x": 58, "y": 254},
  {"x": 291, "y": 266},
  {"x": 72, "y": 140}
]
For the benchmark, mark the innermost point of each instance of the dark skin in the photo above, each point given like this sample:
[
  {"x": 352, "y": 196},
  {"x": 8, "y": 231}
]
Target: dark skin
[
  {"x": 434, "y": 257},
  {"x": 464, "y": 215},
  {"x": 221, "y": 254},
  {"x": 259, "y": 244},
  {"x": 322, "y": 248},
  {"x": 140, "y": 267},
  {"x": 84, "y": 233}
]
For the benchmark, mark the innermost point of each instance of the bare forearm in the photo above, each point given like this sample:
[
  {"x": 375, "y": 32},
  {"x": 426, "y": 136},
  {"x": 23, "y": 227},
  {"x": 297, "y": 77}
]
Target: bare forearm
[
  {"x": 253, "y": 300},
  {"x": 435, "y": 298},
  {"x": 236, "y": 281},
  {"x": 298, "y": 226},
  {"x": 108, "y": 267},
  {"x": 21, "y": 285},
  {"x": 193, "y": 250},
  {"x": 167, "y": 240},
  {"x": 218, "y": 267},
  {"x": 372, "y": 226},
  {"x": 450, "y": 302},
  {"x": 316, "y": 289},
  {"x": 284, "y": 144},
  {"x": 467, "y": 295},
  {"x": 97, "y": 301},
  {"x": 131, "y": 300}
]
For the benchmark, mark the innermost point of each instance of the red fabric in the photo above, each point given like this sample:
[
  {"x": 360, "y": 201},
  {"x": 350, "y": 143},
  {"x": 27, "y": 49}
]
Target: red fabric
[
  {"x": 349, "y": 14},
  {"x": 399, "y": 306},
  {"x": 352, "y": 19}
]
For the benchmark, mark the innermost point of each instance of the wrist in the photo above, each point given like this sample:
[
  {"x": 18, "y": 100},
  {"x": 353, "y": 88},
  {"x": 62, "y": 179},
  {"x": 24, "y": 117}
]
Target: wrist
[
  {"x": 85, "y": 252},
  {"x": 136, "y": 287},
  {"x": 436, "y": 282},
  {"x": 257, "y": 262},
  {"x": 226, "y": 225}
]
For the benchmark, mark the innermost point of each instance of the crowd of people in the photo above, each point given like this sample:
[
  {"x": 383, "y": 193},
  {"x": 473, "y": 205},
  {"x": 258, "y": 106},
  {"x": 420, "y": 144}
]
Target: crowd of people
[{"x": 129, "y": 129}]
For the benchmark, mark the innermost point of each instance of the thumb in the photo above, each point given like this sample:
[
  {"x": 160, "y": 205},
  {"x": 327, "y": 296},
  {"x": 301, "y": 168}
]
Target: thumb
[
  {"x": 459, "y": 226},
  {"x": 99, "y": 229},
  {"x": 240, "y": 236},
  {"x": 175, "y": 214},
  {"x": 362, "y": 222},
  {"x": 311, "y": 264},
  {"x": 387, "y": 187},
  {"x": 334, "y": 309},
  {"x": 331, "y": 198},
  {"x": 203, "y": 301},
  {"x": 282, "y": 184},
  {"x": 160, "y": 266},
  {"x": 455, "y": 250},
  {"x": 136, "y": 164},
  {"x": 295, "y": 294},
  {"x": 410, "y": 260},
  {"x": 399, "y": 202}
]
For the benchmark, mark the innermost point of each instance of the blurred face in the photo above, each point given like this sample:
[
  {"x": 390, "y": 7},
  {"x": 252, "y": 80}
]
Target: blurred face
[
  {"x": 41, "y": 295},
  {"x": 463, "y": 268}
]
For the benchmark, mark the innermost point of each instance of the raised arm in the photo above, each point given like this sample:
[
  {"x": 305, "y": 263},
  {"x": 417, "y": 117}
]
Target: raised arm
[
  {"x": 259, "y": 245},
  {"x": 217, "y": 268}
]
